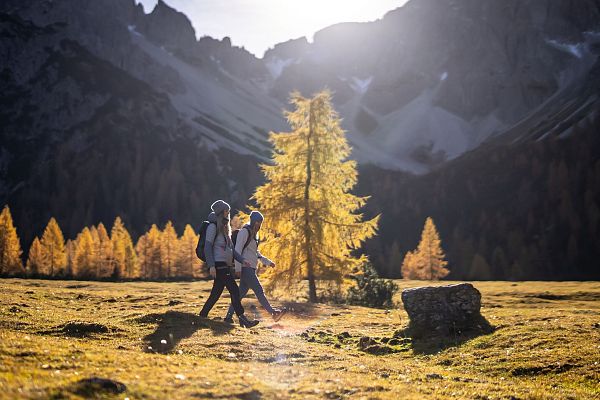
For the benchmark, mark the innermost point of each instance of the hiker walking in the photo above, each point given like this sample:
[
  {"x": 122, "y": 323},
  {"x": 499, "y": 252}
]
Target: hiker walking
[
  {"x": 246, "y": 243},
  {"x": 219, "y": 254}
]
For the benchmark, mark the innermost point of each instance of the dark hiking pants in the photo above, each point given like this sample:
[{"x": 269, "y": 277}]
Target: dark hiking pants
[{"x": 225, "y": 279}]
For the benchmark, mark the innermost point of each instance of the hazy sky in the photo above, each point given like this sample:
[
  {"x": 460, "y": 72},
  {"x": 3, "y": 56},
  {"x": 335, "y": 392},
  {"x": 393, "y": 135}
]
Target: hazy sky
[{"x": 260, "y": 24}]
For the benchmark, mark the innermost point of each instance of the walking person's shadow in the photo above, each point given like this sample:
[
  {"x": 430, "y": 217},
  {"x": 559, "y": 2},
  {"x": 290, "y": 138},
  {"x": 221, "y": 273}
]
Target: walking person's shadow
[{"x": 174, "y": 326}]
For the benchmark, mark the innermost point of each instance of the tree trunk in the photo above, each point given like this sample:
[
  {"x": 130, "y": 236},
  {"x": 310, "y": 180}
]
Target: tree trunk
[{"x": 312, "y": 288}]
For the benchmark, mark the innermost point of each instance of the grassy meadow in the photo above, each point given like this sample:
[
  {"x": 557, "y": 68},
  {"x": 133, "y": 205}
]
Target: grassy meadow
[{"x": 546, "y": 345}]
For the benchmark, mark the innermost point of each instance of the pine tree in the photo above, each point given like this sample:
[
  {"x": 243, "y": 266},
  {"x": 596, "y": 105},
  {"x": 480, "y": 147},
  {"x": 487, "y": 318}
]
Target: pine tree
[
  {"x": 189, "y": 265},
  {"x": 123, "y": 252},
  {"x": 84, "y": 265},
  {"x": 312, "y": 222},
  {"x": 10, "y": 246},
  {"x": 35, "y": 259},
  {"x": 480, "y": 269},
  {"x": 395, "y": 258},
  {"x": 427, "y": 261},
  {"x": 168, "y": 250},
  {"x": 54, "y": 256}
]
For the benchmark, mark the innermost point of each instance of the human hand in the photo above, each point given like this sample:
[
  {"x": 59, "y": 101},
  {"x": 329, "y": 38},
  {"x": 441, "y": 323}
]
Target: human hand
[
  {"x": 213, "y": 272},
  {"x": 272, "y": 264},
  {"x": 238, "y": 274},
  {"x": 246, "y": 263}
]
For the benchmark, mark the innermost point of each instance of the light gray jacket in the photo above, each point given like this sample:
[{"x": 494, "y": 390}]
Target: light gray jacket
[
  {"x": 250, "y": 253},
  {"x": 219, "y": 248}
]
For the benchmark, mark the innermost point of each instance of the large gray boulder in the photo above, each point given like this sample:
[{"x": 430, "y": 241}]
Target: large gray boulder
[{"x": 444, "y": 310}]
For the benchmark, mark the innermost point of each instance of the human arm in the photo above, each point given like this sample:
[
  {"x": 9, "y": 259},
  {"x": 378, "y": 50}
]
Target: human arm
[
  {"x": 266, "y": 261},
  {"x": 211, "y": 233}
]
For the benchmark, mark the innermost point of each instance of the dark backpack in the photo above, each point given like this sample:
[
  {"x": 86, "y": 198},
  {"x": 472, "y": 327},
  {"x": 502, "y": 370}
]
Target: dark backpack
[
  {"x": 234, "y": 236},
  {"x": 202, "y": 240}
]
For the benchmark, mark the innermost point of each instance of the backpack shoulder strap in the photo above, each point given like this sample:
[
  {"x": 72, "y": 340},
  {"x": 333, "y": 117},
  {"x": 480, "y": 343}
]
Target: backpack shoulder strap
[{"x": 248, "y": 239}]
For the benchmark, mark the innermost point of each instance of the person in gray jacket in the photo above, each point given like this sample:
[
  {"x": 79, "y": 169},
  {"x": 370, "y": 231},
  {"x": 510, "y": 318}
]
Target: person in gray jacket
[
  {"x": 247, "y": 245},
  {"x": 220, "y": 253}
]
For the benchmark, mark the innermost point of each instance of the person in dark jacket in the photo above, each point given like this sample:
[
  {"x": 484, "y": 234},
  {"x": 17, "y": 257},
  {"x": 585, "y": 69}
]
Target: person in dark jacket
[{"x": 219, "y": 258}]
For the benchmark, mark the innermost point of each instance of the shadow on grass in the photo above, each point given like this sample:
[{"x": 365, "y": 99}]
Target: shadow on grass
[
  {"x": 428, "y": 342},
  {"x": 302, "y": 310},
  {"x": 174, "y": 326}
]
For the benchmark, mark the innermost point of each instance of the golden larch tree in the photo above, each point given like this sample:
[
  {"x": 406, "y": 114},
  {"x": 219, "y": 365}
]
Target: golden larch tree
[
  {"x": 410, "y": 269},
  {"x": 54, "y": 259},
  {"x": 10, "y": 246},
  {"x": 189, "y": 265},
  {"x": 84, "y": 262},
  {"x": 122, "y": 251},
  {"x": 312, "y": 223},
  {"x": 427, "y": 261},
  {"x": 148, "y": 252},
  {"x": 169, "y": 250},
  {"x": 142, "y": 251},
  {"x": 70, "y": 250},
  {"x": 35, "y": 258},
  {"x": 103, "y": 252}
]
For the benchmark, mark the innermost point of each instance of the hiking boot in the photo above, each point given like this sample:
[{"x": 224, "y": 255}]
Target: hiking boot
[
  {"x": 278, "y": 313},
  {"x": 246, "y": 323},
  {"x": 228, "y": 320}
]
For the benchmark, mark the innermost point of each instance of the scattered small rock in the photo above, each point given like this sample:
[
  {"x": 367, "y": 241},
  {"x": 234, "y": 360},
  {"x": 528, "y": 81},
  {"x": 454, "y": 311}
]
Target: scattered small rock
[
  {"x": 174, "y": 302},
  {"x": 434, "y": 376},
  {"x": 26, "y": 354},
  {"x": 344, "y": 335},
  {"x": 15, "y": 309},
  {"x": 82, "y": 329},
  {"x": 95, "y": 385},
  {"x": 371, "y": 346},
  {"x": 397, "y": 342}
]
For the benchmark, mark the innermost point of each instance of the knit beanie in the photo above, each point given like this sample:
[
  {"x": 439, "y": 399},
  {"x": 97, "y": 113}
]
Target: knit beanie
[
  {"x": 256, "y": 216},
  {"x": 219, "y": 206}
]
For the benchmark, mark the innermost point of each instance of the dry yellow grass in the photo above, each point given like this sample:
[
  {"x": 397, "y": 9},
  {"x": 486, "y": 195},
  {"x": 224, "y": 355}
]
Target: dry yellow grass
[{"x": 546, "y": 346}]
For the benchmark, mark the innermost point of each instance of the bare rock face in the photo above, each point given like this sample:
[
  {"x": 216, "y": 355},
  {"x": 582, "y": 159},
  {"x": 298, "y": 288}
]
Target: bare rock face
[{"x": 444, "y": 310}]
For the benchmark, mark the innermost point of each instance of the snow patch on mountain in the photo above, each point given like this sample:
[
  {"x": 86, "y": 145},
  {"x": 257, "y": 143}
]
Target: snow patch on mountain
[
  {"x": 131, "y": 29},
  {"x": 360, "y": 85},
  {"x": 276, "y": 65},
  {"x": 575, "y": 49}
]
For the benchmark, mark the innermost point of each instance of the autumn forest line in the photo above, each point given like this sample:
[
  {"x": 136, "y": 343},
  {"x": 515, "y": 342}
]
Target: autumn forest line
[{"x": 99, "y": 254}]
